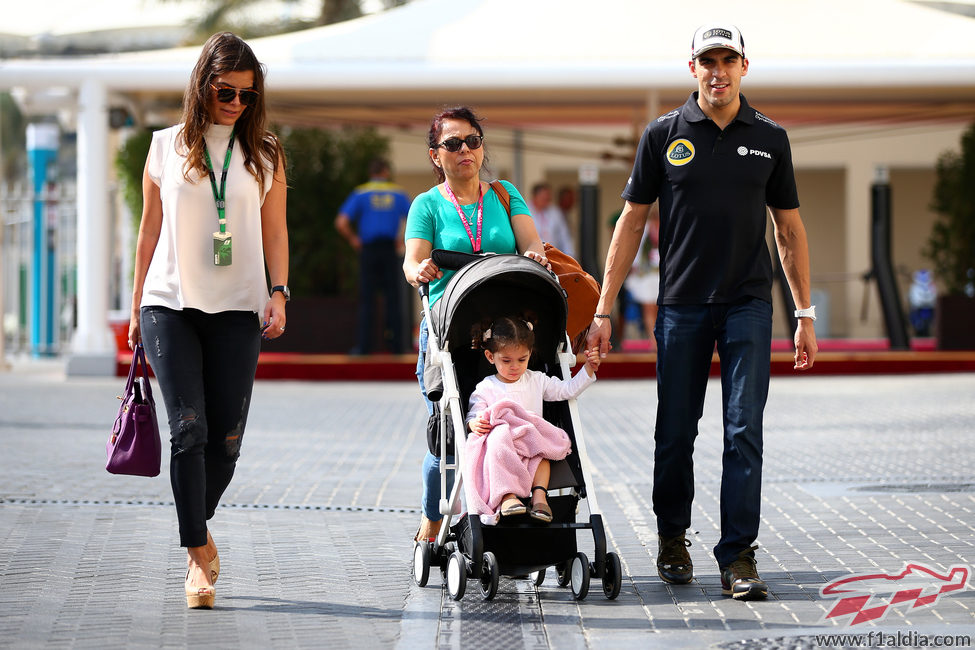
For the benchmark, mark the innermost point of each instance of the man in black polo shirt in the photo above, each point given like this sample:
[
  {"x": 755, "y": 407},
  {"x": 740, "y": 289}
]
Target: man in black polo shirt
[{"x": 717, "y": 167}]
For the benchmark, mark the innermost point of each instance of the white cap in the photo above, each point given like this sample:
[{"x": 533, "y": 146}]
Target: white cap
[{"x": 714, "y": 35}]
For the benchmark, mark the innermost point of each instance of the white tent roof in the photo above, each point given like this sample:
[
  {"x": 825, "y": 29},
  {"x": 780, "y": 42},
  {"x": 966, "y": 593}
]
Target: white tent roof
[
  {"x": 73, "y": 18},
  {"x": 610, "y": 54}
]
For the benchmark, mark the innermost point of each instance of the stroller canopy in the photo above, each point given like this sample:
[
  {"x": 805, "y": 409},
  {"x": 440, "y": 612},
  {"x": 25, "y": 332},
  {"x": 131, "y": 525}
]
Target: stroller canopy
[{"x": 496, "y": 286}]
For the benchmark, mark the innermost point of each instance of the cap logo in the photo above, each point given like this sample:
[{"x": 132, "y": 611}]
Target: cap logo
[
  {"x": 680, "y": 152},
  {"x": 717, "y": 32}
]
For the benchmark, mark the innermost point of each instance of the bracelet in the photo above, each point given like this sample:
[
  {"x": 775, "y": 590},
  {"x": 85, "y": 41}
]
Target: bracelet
[
  {"x": 601, "y": 316},
  {"x": 809, "y": 313}
]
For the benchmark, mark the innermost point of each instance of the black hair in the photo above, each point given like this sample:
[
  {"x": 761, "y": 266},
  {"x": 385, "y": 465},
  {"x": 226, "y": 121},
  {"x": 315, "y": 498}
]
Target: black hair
[
  {"x": 503, "y": 332},
  {"x": 464, "y": 113},
  {"x": 538, "y": 187},
  {"x": 378, "y": 166}
]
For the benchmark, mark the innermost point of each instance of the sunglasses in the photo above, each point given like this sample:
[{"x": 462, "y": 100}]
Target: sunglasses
[
  {"x": 453, "y": 145},
  {"x": 226, "y": 94}
]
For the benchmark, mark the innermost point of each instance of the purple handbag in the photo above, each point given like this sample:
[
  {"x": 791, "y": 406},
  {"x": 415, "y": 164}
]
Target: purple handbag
[{"x": 134, "y": 447}]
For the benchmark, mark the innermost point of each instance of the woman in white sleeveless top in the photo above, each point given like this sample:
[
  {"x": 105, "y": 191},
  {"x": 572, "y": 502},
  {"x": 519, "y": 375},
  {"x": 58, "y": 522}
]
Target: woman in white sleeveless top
[{"x": 214, "y": 195}]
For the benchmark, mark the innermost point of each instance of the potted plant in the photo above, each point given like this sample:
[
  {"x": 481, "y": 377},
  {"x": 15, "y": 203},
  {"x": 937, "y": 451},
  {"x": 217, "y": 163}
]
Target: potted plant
[{"x": 951, "y": 246}]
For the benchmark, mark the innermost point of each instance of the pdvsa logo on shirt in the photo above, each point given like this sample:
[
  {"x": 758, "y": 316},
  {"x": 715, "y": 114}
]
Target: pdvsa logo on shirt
[
  {"x": 745, "y": 151},
  {"x": 680, "y": 152}
]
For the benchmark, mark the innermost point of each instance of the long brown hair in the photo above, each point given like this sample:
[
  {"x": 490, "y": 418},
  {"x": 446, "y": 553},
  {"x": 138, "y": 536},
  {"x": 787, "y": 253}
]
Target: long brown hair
[{"x": 226, "y": 52}]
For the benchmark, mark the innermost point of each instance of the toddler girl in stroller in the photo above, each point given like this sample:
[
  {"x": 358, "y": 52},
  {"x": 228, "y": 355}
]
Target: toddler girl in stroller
[
  {"x": 513, "y": 461},
  {"x": 485, "y": 288}
]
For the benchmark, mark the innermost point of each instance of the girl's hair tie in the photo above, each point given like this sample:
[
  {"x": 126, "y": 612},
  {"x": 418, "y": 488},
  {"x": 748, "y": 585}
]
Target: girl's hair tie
[
  {"x": 486, "y": 335},
  {"x": 528, "y": 324}
]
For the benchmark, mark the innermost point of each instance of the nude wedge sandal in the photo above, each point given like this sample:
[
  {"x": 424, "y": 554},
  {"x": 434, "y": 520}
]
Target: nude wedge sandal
[{"x": 199, "y": 597}]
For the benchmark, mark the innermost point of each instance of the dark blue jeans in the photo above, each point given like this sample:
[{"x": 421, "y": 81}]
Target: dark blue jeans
[
  {"x": 686, "y": 337},
  {"x": 380, "y": 270},
  {"x": 205, "y": 365}
]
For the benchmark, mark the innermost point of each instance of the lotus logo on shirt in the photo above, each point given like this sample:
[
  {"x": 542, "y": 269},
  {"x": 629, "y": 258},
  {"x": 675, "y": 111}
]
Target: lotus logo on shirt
[{"x": 680, "y": 152}]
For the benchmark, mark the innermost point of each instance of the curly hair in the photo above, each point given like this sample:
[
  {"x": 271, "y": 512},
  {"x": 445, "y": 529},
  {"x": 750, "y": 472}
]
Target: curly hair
[
  {"x": 436, "y": 131},
  {"x": 226, "y": 52}
]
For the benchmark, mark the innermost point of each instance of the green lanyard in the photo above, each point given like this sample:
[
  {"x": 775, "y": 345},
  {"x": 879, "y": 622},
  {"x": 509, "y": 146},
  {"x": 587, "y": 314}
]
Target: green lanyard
[{"x": 218, "y": 197}]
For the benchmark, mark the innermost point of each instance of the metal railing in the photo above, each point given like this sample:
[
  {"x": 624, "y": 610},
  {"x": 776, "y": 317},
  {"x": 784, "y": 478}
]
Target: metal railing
[{"x": 38, "y": 306}]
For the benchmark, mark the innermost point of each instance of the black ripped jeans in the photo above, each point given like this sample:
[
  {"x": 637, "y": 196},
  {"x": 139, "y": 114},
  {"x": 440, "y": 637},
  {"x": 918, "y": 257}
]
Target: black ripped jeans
[{"x": 205, "y": 365}]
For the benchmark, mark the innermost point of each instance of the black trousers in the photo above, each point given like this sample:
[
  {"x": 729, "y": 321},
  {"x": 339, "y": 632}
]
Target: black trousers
[
  {"x": 205, "y": 365},
  {"x": 380, "y": 270}
]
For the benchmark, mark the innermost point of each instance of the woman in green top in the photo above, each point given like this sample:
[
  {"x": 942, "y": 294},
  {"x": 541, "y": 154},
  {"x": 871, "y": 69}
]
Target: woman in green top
[{"x": 460, "y": 213}]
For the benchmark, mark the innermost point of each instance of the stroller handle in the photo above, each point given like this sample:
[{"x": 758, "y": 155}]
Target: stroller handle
[
  {"x": 453, "y": 260},
  {"x": 450, "y": 260}
]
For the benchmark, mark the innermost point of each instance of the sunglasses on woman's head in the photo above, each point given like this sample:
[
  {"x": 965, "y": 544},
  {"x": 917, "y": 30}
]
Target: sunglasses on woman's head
[
  {"x": 453, "y": 145},
  {"x": 226, "y": 94}
]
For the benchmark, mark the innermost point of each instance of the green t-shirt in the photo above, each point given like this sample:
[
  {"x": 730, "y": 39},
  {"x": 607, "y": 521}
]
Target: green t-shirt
[{"x": 434, "y": 218}]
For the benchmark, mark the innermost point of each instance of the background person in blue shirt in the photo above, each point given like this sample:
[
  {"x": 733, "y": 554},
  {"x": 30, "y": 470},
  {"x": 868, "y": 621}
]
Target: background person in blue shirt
[{"x": 371, "y": 219}]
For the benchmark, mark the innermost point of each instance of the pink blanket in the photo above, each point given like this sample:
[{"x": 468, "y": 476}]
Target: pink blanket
[{"x": 504, "y": 460}]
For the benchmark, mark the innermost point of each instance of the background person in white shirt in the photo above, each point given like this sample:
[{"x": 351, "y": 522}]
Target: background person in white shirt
[{"x": 549, "y": 220}]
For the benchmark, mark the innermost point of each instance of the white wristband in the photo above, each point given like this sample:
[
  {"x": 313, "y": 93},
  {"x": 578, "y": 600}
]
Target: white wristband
[{"x": 807, "y": 313}]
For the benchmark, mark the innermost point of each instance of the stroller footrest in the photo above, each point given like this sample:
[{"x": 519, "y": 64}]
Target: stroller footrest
[{"x": 551, "y": 526}]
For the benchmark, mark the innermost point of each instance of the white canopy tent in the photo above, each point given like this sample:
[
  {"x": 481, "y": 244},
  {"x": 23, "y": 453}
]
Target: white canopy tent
[
  {"x": 533, "y": 63},
  {"x": 557, "y": 52}
]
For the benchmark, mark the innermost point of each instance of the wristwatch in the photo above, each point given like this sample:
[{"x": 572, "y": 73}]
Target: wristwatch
[
  {"x": 807, "y": 313},
  {"x": 285, "y": 291}
]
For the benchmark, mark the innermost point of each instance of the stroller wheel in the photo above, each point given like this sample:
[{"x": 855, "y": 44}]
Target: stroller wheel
[
  {"x": 612, "y": 576},
  {"x": 448, "y": 549},
  {"x": 562, "y": 574},
  {"x": 422, "y": 552},
  {"x": 490, "y": 574},
  {"x": 457, "y": 575},
  {"x": 579, "y": 576},
  {"x": 537, "y": 577}
]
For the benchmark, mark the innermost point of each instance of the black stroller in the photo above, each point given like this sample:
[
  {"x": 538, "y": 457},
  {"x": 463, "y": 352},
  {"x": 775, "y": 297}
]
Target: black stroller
[{"x": 489, "y": 286}]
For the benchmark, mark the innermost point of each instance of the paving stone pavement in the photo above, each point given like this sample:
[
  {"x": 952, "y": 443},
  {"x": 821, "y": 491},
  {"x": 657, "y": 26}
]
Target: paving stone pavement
[{"x": 862, "y": 475}]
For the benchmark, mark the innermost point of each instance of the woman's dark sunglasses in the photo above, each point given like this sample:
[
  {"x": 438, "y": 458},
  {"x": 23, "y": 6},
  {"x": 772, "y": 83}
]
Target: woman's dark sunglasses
[
  {"x": 226, "y": 94},
  {"x": 453, "y": 145}
]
